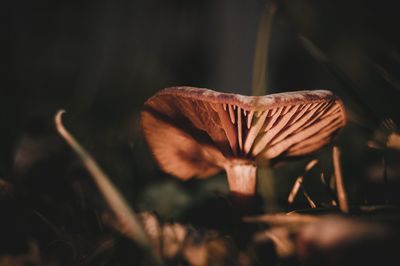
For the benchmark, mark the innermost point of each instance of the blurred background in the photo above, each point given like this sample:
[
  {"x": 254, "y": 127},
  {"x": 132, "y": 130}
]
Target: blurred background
[{"x": 101, "y": 60}]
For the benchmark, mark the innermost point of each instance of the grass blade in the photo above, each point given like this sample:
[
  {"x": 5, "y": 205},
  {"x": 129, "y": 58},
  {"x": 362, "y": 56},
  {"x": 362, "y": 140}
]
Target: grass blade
[
  {"x": 341, "y": 193},
  {"x": 260, "y": 64},
  {"x": 125, "y": 215}
]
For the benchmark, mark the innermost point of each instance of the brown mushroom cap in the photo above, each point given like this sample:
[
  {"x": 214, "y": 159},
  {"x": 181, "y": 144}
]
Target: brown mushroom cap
[{"x": 198, "y": 132}]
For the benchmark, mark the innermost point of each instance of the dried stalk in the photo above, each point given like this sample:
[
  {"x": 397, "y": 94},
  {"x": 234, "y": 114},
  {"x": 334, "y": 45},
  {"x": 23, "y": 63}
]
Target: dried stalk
[
  {"x": 299, "y": 182},
  {"x": 309, "y": 200},
  {"x": 126, "y": 217},
  {"x": 311, "y": 165},
  {"x": 295, "y": 189},
  {"x": 341, "y": 193}
]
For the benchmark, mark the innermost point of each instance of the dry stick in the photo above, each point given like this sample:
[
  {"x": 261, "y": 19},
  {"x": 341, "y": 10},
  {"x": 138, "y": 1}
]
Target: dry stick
[
  {"x": 308, "y": 167},
  {"x": 295, "y": 189},
  {"x": 341, "y": 193},
  {"x": 311, "y": 165},
  {"x": 299, "y": 182},
  {"x": 125, "y": 215},
  {"x": 309, "y": 200}
]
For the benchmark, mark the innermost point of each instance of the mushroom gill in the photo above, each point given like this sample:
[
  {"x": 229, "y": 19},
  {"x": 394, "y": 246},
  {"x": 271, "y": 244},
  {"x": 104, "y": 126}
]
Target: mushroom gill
[{"x": 197, "y": 132}]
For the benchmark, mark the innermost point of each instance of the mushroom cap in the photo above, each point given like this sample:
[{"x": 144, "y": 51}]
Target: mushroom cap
[{"x": 197, "y": 132}]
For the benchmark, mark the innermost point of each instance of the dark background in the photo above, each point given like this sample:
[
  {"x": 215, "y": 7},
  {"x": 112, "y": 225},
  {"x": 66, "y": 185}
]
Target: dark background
[{"x": 101, "y": 60}]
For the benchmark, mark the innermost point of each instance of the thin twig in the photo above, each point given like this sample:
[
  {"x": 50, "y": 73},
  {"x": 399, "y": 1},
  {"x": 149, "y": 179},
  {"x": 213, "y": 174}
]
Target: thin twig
[
  {"x": 299, "y": 181},
  {"x": 341, "y": 193},
  {"x": 295, "y": 189},
  {"x": 309, "y": 200},
  {"x": 125, "y": 215},
  {"x": 311, "y": 165}
]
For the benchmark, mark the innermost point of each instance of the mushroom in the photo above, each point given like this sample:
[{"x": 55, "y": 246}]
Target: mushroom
[{"x": 195, "y": 132}]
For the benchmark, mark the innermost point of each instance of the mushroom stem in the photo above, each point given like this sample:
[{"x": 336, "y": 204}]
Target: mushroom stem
[{"x": 241, "y": 177}]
